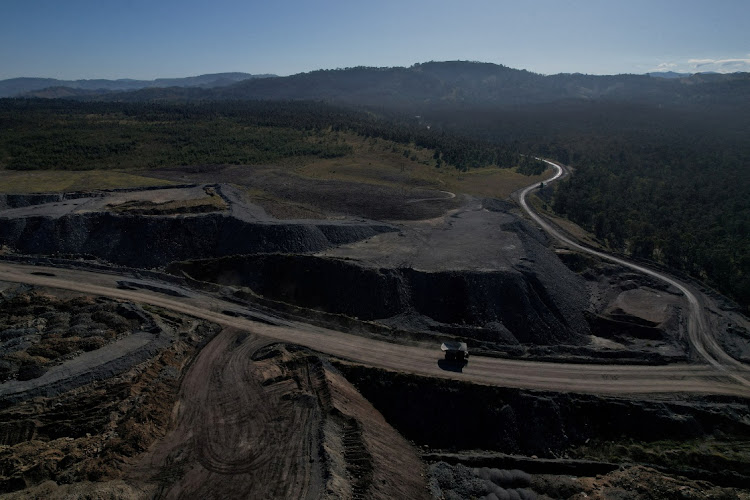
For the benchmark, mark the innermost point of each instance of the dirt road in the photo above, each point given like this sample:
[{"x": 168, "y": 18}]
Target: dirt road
[
  {"x": 702, "y": 341},
  {"x": 423, "y": 359}
]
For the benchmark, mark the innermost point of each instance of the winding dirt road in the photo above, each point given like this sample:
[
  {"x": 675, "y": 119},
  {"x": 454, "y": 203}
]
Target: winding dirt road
[
  {"x": 419, "y": 359},
  {"x": 699, "y": 335}
]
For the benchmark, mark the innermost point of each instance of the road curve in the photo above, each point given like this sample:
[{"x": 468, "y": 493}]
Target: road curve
[
  {"x": 699, "y": 335},
  {"x": 449, "y": 196},
  {"x": 421, "y": 359}
]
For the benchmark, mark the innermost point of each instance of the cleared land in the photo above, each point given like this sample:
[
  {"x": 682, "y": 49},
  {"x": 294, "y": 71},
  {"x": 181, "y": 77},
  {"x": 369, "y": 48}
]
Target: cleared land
[
  {"x": 376, "y": 180},
  {"x": 229, "y": 414},
  {"x": 263, "y": 420}
]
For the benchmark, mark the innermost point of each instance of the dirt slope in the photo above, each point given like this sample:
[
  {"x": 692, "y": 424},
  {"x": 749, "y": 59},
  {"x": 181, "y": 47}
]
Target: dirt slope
[
  {"x": 255, "y": 420},
  {"x": 90, "y": 421},
  {"x": 244, "y": 417}
]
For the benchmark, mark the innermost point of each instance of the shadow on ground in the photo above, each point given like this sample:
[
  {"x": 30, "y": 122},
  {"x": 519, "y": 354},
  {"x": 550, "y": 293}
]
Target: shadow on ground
[{"x": 451, "y": 366}]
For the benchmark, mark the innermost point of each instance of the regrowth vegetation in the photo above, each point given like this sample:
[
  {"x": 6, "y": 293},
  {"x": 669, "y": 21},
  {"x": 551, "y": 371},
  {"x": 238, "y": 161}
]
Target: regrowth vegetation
[{"x": 72, "y": 135}]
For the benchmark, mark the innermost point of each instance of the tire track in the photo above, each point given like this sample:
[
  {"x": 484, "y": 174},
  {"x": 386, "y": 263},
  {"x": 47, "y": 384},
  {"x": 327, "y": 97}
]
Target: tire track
[{"x": 240, "y": 429}]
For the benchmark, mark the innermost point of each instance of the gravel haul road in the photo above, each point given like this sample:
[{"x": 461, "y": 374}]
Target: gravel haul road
[
  {"x": 420, "y": 359},
  {"x": 701, "y": 339}
]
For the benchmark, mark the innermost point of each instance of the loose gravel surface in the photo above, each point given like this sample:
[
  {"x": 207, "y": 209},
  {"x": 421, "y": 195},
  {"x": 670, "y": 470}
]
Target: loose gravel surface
[{"x": 677, "y": 378}]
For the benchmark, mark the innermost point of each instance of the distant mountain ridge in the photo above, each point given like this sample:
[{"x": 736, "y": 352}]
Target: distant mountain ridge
[
  {"x": 669, "y": 74},
  {"x": 461, "y": 84},
  {"x": 441, "y": 85},
  {"x": 14, "y": 87}
]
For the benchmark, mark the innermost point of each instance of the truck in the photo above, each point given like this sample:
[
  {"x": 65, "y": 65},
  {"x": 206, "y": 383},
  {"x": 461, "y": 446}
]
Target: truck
[{"x": 455, "y": 351}]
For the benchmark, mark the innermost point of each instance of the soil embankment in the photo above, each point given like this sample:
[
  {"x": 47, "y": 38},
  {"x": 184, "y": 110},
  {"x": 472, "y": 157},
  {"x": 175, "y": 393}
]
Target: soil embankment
[
  {"x": 509, "y": 420},
  {"x": 260, "y": 420},
  {"x": 503, "y": 306},
  {"x": 148, "y": 241},
  {"x": 697, "y": 437}
]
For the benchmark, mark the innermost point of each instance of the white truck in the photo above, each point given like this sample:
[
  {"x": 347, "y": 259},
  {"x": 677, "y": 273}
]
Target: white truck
[{"x": 455, "y": 351}]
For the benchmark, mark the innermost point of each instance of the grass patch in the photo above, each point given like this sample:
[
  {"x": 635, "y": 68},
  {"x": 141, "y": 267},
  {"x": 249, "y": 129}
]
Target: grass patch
[
  {"x": 377, "y": 161},
  {"x": 53, "y": 181},
  {"x": 281, "y": 208},
  {"x": 383, "y": 162},
  {"x": 492, "y": 182}
]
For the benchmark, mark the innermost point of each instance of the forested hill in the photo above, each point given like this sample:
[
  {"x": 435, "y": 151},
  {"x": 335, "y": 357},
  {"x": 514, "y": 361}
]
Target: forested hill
[
  {"x": 449, "y": 84},
  {"x": 459, "y": 84}
]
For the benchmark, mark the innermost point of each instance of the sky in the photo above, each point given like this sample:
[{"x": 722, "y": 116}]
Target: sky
[{"x": 147, "y": 39}]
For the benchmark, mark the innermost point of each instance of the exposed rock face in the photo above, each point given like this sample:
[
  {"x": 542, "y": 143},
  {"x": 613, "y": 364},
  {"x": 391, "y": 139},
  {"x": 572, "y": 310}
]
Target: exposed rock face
[
  {"x": 514, "y": 298},
  {"x": 508, "y": 306},
  {"x": 26, "y": 200},
  {"x": 477, "y": 271},
  {"x": 465, "y": 416},
  {"x": 140, "y": 241}
]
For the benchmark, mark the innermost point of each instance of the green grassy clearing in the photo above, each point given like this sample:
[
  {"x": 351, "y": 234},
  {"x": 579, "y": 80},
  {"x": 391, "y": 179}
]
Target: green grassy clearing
[{"x": 52, "y": 181}]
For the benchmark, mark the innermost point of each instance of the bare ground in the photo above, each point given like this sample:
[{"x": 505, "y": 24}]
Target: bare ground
[
  {"x": 86, "y": 430},
  {"x": 255, "y": 420},
  {"x": 246, "y": 418},
  {"x": 286, "y": 195}
]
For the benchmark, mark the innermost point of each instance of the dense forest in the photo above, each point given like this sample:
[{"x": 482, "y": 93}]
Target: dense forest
[
  {"x": 685, "y": 207},
  {"x": 72, "y": 135},
  {"x": 667, "y": 184},
  {"x": 679, "y": 211}
]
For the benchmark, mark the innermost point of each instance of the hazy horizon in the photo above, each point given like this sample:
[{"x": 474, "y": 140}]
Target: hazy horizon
[
  {"x": 657, "y": 70},
  {"x": 83, "y": 39}
]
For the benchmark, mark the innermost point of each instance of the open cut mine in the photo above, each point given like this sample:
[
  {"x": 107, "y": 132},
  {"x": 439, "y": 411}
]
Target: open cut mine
[{"x": 328, "y": 329}]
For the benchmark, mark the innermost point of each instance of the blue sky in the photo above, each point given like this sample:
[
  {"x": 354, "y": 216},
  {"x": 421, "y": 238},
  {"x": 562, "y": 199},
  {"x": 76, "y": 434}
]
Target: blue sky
[{"x": 73, "y": 39}]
